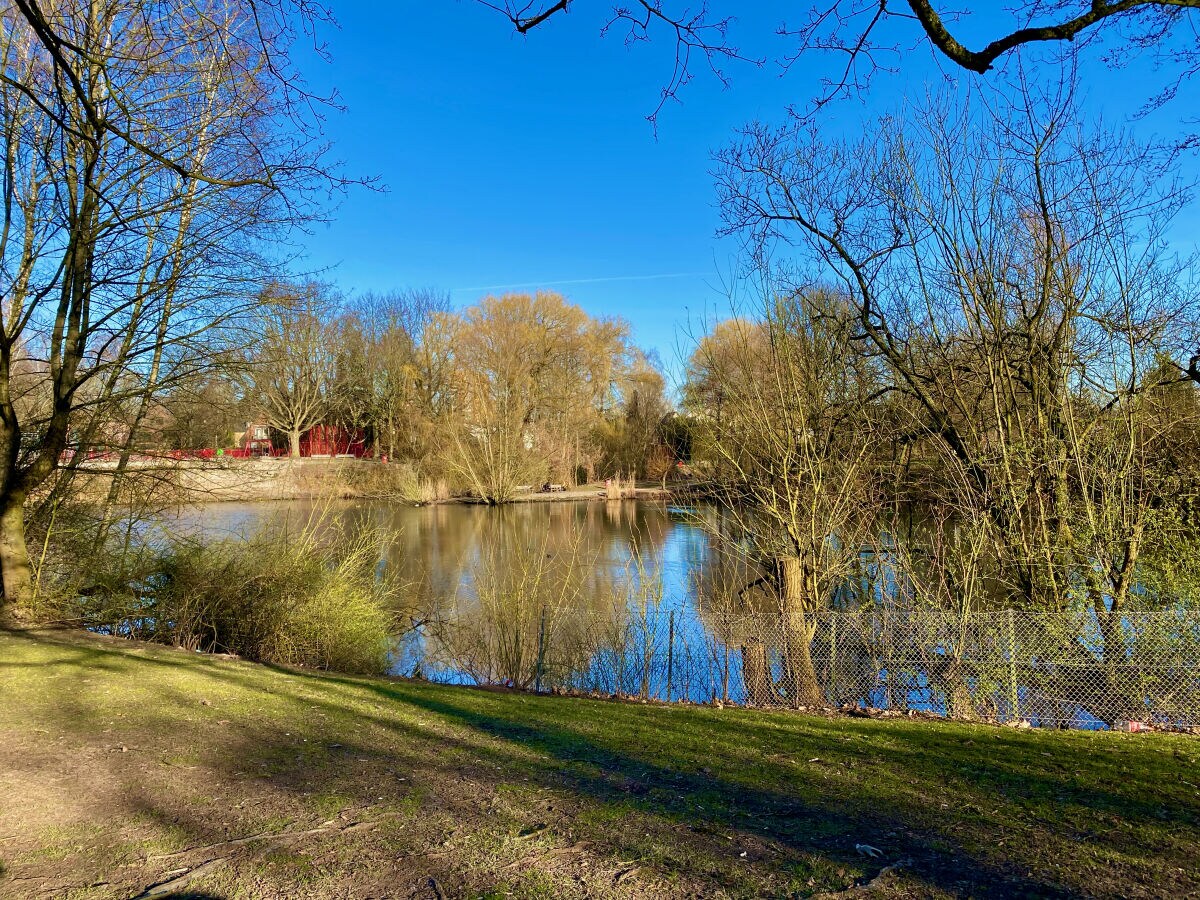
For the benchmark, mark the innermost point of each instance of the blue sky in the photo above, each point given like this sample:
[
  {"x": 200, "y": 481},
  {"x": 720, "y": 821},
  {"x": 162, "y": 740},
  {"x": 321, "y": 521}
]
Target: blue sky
[{"x": 528, "y": 162}]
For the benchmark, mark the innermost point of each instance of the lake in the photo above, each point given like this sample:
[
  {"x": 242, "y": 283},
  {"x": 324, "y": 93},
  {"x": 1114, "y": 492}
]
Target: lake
[
  {"x": 481, "y": 589},
  {"x": 636, "y": 599},
  {"x": 439, "y": 551}
]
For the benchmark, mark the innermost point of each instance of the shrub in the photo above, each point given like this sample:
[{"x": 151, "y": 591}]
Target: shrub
[
  {"x": 393, "y": 481},
  {"x": 306, "y": 597}
]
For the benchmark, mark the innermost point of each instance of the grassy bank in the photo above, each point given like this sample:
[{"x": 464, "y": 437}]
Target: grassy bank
[{"x": 123, "y": 766}]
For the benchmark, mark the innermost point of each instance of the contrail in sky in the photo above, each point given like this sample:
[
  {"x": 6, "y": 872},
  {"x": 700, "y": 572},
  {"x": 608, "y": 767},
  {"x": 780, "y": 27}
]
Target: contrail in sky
[{"x": 505, "y": 287}]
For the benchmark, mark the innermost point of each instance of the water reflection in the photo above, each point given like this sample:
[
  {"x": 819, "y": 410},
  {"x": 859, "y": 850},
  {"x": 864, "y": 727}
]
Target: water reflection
[
  {"x": 437, "y": 551},
  {"x": 637, "y": 599},
  {"x": 520, "y": 593}
]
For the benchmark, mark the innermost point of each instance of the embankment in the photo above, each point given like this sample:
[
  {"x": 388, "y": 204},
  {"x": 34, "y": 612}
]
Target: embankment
[{"x": 250, "y": 480}]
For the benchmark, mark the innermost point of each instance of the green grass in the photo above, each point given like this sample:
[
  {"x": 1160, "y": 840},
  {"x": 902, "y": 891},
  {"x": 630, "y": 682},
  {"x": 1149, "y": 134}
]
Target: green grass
[{"x": 491, "y": 793}]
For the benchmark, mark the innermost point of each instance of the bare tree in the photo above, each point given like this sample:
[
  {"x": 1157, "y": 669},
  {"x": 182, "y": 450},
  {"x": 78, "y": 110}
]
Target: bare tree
[
  {"x": 696, "y": 34},
  {"x": 257, "y": 51},
  {"x": 391, "y": 380},
  {"x": 295, "y": 361},
  {"x": 792, "y": 457},
  {"x": 1010, "y": 272},
  {"x": 864, "y": 39},
  {"x": 144, "y": 166}
]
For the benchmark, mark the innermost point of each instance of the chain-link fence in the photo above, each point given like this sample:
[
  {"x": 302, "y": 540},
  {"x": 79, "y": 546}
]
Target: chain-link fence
[{"x": 1077, "y": 669}]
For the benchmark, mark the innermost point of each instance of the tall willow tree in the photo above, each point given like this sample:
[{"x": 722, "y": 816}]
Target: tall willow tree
[
  {"x": 532, "y": 373},
  {"x": 784, "y": 400},
  {"x": 149, "y": 149}
]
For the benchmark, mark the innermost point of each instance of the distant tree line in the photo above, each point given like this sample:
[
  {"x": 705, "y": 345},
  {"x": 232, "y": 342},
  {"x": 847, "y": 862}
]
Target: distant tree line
[{"x": 508, "y": 394}]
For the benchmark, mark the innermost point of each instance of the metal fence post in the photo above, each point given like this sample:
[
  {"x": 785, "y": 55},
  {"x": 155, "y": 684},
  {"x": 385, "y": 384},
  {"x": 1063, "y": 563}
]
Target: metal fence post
[
  {"x": 725, "y": 677},
  {"x": 670, "y": 651},
  {"x": 541, "y": 654},
  {"x": 1014, "y": 698},
  {"x": 833, "y": 657}
]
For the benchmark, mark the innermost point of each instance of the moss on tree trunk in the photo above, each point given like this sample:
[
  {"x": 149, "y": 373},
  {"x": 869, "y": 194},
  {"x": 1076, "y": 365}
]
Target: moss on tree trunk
[{"x": 16, "y": 571}]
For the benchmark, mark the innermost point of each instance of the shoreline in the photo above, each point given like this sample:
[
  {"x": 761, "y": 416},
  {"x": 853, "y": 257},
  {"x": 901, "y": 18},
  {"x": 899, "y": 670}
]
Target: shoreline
[
  {"x": 589, "y": 493},
  {"x": 283, "y": 479},
  {"x": 643, "y": 495}
]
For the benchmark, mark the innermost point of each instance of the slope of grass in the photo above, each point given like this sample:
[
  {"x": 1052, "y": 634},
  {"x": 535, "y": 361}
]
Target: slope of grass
[{"x": 123, "y": 766}]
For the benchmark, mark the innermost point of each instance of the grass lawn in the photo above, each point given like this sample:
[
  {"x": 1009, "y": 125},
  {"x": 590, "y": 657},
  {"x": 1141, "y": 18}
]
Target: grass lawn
[{"x": 125, "y": 766}]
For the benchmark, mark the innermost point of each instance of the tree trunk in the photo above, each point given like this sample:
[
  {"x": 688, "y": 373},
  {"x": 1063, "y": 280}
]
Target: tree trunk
[
  {"x": 756, "y": 673},
  {"x": 1115, "y": 699},
  {"x": 800, "y": 678},
  {"x": 294, "y": 443},
  {"x": 953, "y": 677},
  {"x": 15, "y": 569}
]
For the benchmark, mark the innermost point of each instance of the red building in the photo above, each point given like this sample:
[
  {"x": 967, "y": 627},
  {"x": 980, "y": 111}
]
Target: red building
[
  {"x": 320, "y": 441},
  {"x": 333, "y": 440}
]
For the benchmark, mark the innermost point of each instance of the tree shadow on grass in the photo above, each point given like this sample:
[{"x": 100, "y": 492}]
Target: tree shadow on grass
[
  {"x": 1115, "y": 821},
  {"x": 635, "y": 779},
  {"x": 693, "y": 801},
  {"x": 826, "y": 827}
]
